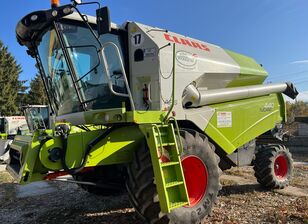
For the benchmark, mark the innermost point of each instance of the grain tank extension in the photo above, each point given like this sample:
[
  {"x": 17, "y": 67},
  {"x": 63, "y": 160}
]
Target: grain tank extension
[{"x": 146, "y": 111}]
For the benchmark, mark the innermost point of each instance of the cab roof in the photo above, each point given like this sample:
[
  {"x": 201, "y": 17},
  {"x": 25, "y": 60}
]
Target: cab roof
[{"x": 31, "y": 27}]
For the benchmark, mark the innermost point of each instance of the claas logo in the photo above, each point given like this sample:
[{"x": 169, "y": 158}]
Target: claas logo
[{"x": 187, "y": 42}]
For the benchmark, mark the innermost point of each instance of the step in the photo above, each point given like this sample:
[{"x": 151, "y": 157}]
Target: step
[
  {"x": 164, "y": 126},
  {"x": 174, "y": 205},
  {"x": 166, "y": 144},
  {"x": 174, "y": 183},
  {"x": 161, "y": 134},
  {"x": 169, "y": 164}
]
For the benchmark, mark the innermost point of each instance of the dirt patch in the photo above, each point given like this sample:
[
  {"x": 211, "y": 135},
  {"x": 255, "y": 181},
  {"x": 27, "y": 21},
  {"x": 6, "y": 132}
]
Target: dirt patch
[
  {"x": 301, "y": 176},
  {"x": 68, "y": 204},
  {"x": 241, "y": 200}
]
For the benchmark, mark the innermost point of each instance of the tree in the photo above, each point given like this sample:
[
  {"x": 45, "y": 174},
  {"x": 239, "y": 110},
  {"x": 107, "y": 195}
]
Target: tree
[
  {"x": 296, "y": 109},
  {"x": 37, "y": 93},
  {"x": 9, "y": 82},
  {"x": 22, "y": 96}
]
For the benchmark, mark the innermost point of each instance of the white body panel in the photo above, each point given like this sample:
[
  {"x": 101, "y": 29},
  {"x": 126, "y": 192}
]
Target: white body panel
[
  {"x": 4, "y": 154},
  {"x": 74, "y": 118},
  {"x": 196, "y": 61},
  {"x": 12, "y": 124}
]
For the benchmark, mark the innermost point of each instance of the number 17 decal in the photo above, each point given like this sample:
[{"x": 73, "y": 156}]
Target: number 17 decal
[{"x": 137, "y": 39}]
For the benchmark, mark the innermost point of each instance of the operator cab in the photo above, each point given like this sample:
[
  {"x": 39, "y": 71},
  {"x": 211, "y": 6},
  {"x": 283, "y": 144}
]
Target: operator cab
[
  {"x": 37, "y": 117},
  {"x": 81, "y": 70}
]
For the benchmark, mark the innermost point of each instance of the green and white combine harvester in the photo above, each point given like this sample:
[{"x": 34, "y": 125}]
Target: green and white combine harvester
[
  {"x": 10, "y": 126},
  {"x": 35, "y": 117},
  {"x": 140, "y": 109}
]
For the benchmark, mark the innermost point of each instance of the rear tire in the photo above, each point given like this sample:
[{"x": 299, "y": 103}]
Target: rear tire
[
  {"x": 142, "y": 189},
  {"x": 273, "y": 166}
]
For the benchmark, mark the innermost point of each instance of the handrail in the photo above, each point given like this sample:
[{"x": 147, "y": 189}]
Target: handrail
[
  {"x": 161, "y": 148},
  {"x": 178, "y": 132},
  {"x": 129, "y": 94},
  {"x": 173, "y": 85}
]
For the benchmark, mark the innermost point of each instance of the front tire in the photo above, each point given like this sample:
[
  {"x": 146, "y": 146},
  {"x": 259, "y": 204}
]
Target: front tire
[
  {"x": 273, "y": 166},
  {"x": 199, "y": 162}
]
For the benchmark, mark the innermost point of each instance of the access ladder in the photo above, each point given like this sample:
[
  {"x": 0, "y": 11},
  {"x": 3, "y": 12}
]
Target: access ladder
[{"x": 166, "y": 161}]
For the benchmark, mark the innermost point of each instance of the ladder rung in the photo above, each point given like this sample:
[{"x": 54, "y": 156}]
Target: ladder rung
[
  {"x": 174, "y": 183},
  {"x": 167, "y": 144},
  {"x": 161, "y": 134},
  {"x": 164, "y": 126},
  {"x": 169, "y": 164},
  {"x": 174, "y": 205}
]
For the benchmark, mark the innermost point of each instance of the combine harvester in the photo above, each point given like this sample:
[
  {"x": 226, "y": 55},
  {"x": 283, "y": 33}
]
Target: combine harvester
[
  {"x": 9, "y": 127},
  {"x": 140, "y": 107},
  {"x": 35, "y": 117}
]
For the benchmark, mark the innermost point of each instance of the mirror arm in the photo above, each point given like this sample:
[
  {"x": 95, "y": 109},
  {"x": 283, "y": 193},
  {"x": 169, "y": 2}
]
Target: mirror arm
[
  {"x": 88, "y": 25},
  {"x": 86, "y": 3}
]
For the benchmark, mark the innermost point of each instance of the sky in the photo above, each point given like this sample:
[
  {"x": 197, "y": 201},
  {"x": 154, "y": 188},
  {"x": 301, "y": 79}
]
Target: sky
[{"x": 272, "y": 32}]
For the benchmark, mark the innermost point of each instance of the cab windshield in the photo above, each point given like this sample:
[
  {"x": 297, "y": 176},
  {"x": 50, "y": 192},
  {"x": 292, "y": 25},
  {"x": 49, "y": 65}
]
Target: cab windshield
[
  {"x": 74, "y": 74},
  {"x": 37, "y": 117}
]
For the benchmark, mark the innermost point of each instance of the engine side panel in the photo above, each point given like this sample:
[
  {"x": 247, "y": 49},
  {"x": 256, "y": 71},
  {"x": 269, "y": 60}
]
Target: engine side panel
[{"x": 238, "y": 122}]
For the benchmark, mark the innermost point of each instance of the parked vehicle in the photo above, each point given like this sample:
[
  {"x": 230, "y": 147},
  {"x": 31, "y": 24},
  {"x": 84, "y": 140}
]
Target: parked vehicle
[{"x": 144, "y": 108}]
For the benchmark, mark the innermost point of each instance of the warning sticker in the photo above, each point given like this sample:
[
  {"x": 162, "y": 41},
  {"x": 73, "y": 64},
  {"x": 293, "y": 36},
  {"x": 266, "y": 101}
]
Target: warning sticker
[
  {"x": 149, "y": 52},
  {"x": 224, "y": 119}
]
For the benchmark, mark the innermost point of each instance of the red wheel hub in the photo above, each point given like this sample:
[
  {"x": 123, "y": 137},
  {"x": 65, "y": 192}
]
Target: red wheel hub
[
  {"x": 196, "y": 177},
  {"x": 281, "y": 167}
]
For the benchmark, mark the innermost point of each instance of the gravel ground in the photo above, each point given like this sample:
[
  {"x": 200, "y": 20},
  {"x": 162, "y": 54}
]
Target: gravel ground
[{"x": 241, "y": 200}]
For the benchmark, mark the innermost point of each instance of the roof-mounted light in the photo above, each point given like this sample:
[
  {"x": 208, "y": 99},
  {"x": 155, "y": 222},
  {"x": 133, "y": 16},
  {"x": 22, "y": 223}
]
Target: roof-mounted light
[
  {"x": 67, "y": 10},
  {"x": 34, "y": 17},
  {"x": 55, "y": 3}
]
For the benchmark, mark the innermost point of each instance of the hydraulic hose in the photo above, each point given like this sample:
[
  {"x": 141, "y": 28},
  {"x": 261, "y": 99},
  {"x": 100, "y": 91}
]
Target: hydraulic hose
[{"x": 64, "y": 132}]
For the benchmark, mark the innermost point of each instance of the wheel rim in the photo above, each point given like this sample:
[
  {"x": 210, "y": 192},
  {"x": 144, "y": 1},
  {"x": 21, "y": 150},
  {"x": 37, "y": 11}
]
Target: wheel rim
[
  {"x": 196, "y": 178},
  {"x": 281, "y": 167}
]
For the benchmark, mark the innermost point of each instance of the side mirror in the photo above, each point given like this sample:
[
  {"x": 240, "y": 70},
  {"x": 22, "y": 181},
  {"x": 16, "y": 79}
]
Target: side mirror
[{"x": 103, "y": 21}]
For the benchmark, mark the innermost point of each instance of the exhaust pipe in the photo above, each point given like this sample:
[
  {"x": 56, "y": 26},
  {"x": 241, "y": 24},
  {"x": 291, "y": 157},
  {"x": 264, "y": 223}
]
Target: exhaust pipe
[{"x": 193, "y": 97}]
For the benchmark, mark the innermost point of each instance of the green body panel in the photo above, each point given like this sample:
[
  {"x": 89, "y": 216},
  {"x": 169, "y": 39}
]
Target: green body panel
[
  {"x": 168, "y": 172},
  {"x": 146, "y": 117},
  {"x": 120, "y": 115},
  {"x": 3, "y": 136},
  {"x": 31, "y": 168},
  {"x": 251, "y": 73},
  {"x": 250, "y": 118},
  {"x": 55, "y": 142},
  {"x": 76, "y": 146},
  {"x": 116, "y": 148}
]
